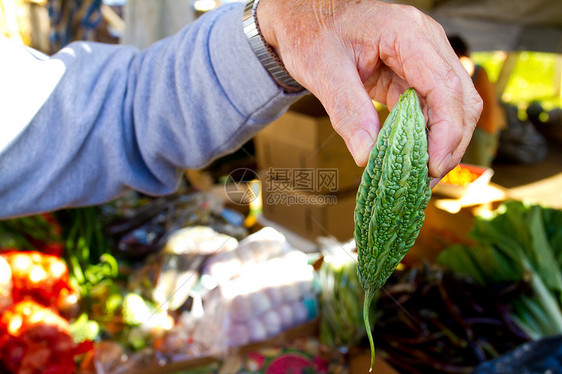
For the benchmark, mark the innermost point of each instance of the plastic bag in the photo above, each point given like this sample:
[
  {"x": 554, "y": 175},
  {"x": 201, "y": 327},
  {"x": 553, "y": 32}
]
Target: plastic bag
[{"x": 538, "y": 357}]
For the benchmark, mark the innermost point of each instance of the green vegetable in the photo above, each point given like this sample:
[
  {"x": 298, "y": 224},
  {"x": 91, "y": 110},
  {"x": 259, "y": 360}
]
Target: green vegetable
[
  {"x": 87, "y": 252},
  {"x": 518, "y": 242},
  {"x": 26, "y": 233},
  {"x": 341, "y": 295},
  {"x": 83, "y": 329},
  {"x": 92, "y": 270},
  {"x": 391, "y": 199},
  {"x": 136, "y": 310},
  {"x": 446, "y": 323}
]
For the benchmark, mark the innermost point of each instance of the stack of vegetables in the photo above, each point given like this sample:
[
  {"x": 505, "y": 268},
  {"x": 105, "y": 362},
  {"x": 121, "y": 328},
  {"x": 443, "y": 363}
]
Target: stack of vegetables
[
  {"x": 36, "y": 299},
  {"x": 62, "y": 289},
  {"x": 270, "y": 298},
  {"x": 426, "y": 319},
  {"x": 430, "y": 321},
  {"x": 63, "y": 293}
]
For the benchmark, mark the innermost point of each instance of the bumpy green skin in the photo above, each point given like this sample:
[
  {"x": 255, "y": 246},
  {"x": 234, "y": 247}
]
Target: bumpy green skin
[{"x": 391, "y": 199}]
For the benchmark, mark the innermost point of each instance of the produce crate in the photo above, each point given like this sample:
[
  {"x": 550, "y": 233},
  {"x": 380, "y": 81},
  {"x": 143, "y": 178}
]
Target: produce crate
[{"x": 464, "y": 178}]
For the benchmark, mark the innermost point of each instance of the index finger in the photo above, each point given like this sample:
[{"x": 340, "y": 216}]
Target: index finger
[
  {"x": 470, "y": 106},
  {"x": 422, "y": 57}
]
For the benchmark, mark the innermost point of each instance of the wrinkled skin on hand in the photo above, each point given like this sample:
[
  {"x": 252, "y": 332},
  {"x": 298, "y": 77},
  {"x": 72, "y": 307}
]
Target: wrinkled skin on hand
[{"x": 349, "y": 52}]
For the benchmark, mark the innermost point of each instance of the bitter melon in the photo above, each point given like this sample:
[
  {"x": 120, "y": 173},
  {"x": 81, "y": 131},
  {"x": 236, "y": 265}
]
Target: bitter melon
[{"x": 391, "y": 198}]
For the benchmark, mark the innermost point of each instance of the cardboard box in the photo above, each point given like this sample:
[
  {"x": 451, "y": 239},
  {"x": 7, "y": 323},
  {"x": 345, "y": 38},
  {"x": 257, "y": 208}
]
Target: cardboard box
[
  {"x": 311, "y": 215},
  {"x": 303, "y": 138}
]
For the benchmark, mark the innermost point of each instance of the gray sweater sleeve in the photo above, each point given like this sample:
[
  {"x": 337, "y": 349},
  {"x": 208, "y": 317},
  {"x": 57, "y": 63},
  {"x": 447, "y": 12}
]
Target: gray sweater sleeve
[{"x": 120, "y": 119}]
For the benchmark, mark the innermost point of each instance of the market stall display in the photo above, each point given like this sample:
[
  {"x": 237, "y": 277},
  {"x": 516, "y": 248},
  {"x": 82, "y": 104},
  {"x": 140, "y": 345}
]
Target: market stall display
[
  {"x": 148, "y": 282},
  {"x": 187, "y": 284},
  {"x": 200, "y": 274},
  {"x": 428, "y": 320}
]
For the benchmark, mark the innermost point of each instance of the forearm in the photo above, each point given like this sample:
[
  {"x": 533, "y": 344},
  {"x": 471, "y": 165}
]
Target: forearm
[{"x": 121, "y": 119}]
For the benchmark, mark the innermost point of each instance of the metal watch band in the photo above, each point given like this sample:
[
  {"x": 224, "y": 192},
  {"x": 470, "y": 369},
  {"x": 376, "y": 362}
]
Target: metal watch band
[{"x": 264, "y": 52}]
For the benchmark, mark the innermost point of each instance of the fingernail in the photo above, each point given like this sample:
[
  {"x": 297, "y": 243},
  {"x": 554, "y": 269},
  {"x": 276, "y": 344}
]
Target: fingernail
[
  {"x": 444, "y": 165},
  {"x": 361, "y": 144},
  {"x": 433, "y": 182}
]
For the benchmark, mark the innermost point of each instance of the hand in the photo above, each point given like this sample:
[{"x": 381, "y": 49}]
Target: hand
[{"x": 349, "y": 52}]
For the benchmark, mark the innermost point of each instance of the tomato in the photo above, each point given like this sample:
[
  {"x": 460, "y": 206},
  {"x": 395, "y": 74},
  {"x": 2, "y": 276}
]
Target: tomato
[
  {"x": 37, "y": 276},
  {"x": 35, "y": 339}
]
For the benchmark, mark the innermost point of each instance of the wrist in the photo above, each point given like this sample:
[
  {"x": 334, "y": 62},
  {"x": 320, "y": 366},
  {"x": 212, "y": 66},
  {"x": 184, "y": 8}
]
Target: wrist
[
  {"x": 260, "y": 40},
  {"x": 263, "y": 14}
]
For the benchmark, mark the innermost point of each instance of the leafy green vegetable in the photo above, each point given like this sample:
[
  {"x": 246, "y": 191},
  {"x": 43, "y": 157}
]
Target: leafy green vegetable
[
  {"x": 518, "y": 242},
  {"x": 86, "y": 249},
  {"x": 26, "y": 232},
  {"x": 83, "y": 329},
  {"x": 92, "y": 270}
]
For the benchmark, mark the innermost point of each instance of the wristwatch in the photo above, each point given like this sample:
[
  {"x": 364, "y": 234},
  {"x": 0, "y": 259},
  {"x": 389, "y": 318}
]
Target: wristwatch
[{"x": 264, "y": 52}]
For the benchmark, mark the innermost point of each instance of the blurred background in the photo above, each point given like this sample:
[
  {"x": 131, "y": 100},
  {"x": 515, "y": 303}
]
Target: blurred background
[{"x": 251, "y": 266}]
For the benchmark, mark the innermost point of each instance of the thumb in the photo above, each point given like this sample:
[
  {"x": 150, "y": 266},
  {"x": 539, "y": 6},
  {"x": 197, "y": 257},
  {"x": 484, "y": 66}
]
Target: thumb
[{"x": 350, "y": 108}]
